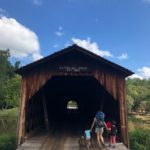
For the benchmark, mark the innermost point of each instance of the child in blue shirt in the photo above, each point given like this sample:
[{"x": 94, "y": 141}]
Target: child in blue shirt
[{"x": 88, "y": 137}]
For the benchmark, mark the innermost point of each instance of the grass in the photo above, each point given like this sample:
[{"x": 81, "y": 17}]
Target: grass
[
  {"x": 9, "y": 113},
  {"x": 9, "y": 117},
  {"x": 7, "y": 141},
  {"x": 8, "y": 123},
  {"x": 140, "y": 139},
  {"x": 138, "y": 121},
  {"x": 139, "y": 132}
]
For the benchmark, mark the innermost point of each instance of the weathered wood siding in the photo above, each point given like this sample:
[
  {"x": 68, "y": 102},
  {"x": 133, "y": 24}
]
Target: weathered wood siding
[
  {"x": 110, "y": 76},
  {"x": 31, "y": 83},
  {"x": 115, "y": 85}
]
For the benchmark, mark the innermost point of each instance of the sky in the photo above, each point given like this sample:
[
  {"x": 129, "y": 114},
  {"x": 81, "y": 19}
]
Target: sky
[{"x": 118, "y": 30}]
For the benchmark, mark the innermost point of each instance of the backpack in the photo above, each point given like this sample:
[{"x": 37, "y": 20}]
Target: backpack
[
  {"x": 113, "y": 130},
  {"x": 100, "y": 116}
]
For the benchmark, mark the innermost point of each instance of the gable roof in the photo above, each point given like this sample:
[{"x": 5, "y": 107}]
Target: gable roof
[{"x": 23, "y": 69}]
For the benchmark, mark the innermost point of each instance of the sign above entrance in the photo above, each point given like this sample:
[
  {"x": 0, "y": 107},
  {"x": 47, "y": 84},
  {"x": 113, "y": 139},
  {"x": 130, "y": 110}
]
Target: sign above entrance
[{"x": 73, "y": 69}]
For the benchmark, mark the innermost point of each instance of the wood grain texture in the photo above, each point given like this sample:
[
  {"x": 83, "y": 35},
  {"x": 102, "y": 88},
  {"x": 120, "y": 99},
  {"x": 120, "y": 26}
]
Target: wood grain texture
[{"x": 64, "y": 142}]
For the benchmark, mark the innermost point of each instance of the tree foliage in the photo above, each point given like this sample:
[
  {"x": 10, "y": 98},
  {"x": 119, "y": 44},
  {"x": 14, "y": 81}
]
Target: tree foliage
[
  {"x": 9, "y": 81},
  {"x": 138, "y": 95},
  {"x": 140, "y": 139}
]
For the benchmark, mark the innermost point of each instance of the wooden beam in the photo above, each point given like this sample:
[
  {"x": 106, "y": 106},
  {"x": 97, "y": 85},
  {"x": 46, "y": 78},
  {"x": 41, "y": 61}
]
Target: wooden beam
[
  {"x": 22, "y": 109},
  {"x": 123, "y": 111},
  {"x": 45, "y": 111}
]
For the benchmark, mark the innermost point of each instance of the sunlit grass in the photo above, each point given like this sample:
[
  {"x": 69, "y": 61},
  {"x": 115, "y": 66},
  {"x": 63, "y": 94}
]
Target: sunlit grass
[
  {"x": 138, "y": 121},
  {"x": 9, "y": 113}
]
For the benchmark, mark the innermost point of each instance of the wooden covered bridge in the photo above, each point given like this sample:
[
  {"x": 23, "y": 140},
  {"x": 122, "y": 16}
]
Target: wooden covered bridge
[{"x": 71, "y": 75}]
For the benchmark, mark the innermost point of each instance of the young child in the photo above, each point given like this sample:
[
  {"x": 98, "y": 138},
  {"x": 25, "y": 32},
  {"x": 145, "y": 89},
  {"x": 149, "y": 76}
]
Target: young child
[
  {"x": 113, "y": 133},
  {"x": 88, "y": 137},
  {"x": 108, "y": 124}
]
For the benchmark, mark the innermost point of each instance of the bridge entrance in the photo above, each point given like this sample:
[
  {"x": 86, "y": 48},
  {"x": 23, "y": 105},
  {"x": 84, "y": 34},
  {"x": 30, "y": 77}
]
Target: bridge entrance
[
  {"x": 89, "y": 96},
  {"x": 71, "y": 75}
]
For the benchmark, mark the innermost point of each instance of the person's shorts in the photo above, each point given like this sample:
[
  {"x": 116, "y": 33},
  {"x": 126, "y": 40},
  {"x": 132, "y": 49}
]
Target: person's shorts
[{"x": 99, "y": 130}]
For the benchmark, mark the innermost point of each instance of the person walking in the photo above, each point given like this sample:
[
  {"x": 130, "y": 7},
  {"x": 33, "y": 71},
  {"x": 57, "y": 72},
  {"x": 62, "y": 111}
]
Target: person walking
[
  {"x": 113, "y": 133},
  {"x": 99, "y": 129},
  {"x": 88, "y": 137}
]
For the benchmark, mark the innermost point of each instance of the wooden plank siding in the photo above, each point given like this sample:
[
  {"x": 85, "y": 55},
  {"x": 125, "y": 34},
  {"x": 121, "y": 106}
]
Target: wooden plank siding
[
  {"x": 115, "y": 85},
  {"x": 31, "y": 83},
  {"x": 35, "y": 76}
]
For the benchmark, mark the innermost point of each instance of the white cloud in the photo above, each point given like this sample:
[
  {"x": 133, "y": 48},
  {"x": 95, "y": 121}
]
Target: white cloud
[
  {"x": 67, "y": 44},
  {"x": 21, "y": 41},
  {"x": 55, "y": 45},
  {"x": 146, "y": 1},
  {"x": 135, "y": 76},
  {"x": 60, "y": 28},
  {"x": 37, "y": 2},
  {"x": 91, "y": 46},
  {"x": 2, "y": 12},
  {"x": 37, "y": 56},
  {"x": 144, "y": 72},
  {"x": 59, "y": 32},
  {"x": 123, "y": 56}
]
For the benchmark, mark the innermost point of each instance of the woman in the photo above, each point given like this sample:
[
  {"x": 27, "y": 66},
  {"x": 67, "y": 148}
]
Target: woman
[{"x": 99, "y": 129}]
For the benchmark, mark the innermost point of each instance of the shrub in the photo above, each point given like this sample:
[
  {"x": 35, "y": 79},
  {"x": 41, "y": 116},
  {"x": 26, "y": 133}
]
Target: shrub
[
  {"x": 7, "y": 142},
  {"x": 140, "y": 139}
]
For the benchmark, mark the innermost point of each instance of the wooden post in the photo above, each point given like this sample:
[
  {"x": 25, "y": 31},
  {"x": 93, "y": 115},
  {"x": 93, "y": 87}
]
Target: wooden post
[
  {"x": 45, "y": 111},
  {"x": 21, "y": 117},
  {"x": 123, "y": 113},
  {"x": 126, "y": 116}
]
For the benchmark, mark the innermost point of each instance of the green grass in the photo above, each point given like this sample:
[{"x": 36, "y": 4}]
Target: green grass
[
  {"x": 9, "y": 113},
  {"x": 8, "y": 124},
  {"x": 140, "y": 139},
  {"x": 138, "y": 121},
  {"x": 139, "y": 132},
  {"x": 7, "y": 142}
]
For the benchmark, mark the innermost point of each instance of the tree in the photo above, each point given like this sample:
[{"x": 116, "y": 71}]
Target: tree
[
  {"x": 13, "y": 91},
  {"x": 9, "y": 82},
  {"x": 138, "y": 94}
]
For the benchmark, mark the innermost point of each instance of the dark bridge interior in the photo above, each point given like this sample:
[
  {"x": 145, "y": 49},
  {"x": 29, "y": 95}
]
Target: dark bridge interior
[{"x": 59, "y": 90}]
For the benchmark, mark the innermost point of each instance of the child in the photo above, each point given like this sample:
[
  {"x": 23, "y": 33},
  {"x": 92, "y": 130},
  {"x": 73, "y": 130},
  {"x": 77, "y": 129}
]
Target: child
[
  {"x": 113, "y": 133},
  {"x": 88, "y": 137},
  {"x": 108, "y": 124}
]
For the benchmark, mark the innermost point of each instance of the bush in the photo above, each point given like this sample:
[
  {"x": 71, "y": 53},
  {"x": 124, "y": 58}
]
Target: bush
[
  {"x": 7, "y": 142},
  {"x": 140, "y": 139}
]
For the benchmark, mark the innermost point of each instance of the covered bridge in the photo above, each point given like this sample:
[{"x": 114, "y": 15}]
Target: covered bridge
[{"x": 72, "y": 76}]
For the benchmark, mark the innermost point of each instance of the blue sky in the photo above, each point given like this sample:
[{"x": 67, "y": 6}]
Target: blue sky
[{"x": 118, "y": 30}]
